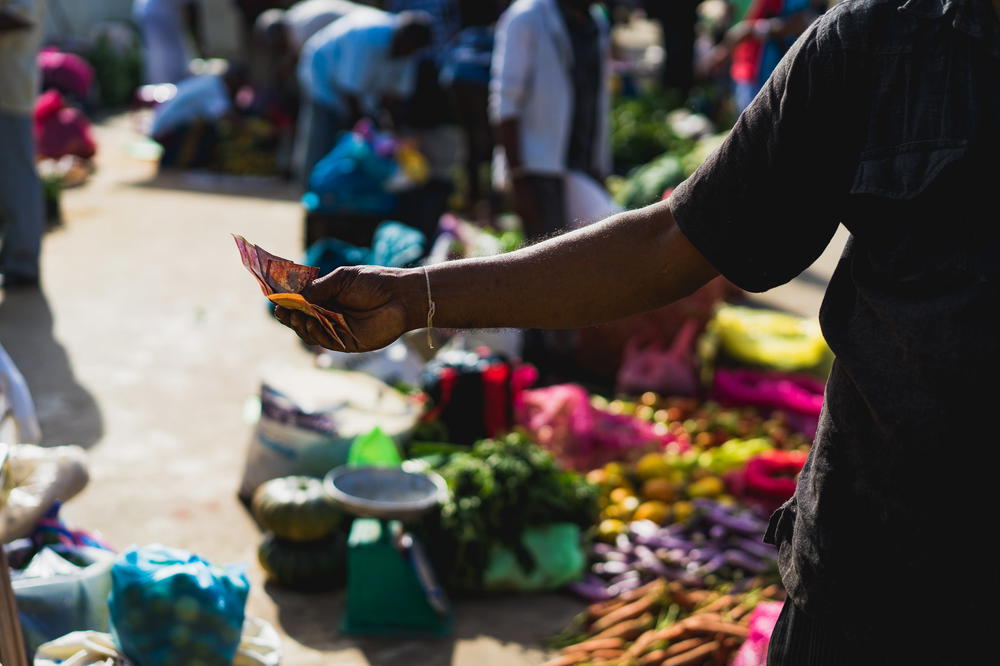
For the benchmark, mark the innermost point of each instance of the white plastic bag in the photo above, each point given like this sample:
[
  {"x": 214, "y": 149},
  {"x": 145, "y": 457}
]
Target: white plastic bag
[
  {"x": 259, "y": 646},
  {"x": 40, "y": 477},
  {"x": 54, "y": 597},
  {"x": 309, "y": 417},
  {"x": 587, "y": 201}
]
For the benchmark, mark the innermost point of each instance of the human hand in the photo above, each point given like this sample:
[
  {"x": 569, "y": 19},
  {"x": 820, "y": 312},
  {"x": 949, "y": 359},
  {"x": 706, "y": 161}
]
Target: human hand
[{"x": 379, "y": 305}]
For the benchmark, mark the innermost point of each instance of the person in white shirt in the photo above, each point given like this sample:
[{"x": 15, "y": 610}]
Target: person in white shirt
[
  {"x": 549, "y": 102},
  {"x": 165, "y": 50},
  {"x": 21, "y": 204},
  {"x": 203, "y": 97},
  {"x": 199, "y": 101},
  {"x": 353, "y": 68},
  {"x": 289, "y": 29}
]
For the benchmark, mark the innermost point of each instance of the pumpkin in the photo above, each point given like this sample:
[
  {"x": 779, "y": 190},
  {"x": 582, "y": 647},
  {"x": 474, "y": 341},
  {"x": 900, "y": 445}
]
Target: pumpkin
[
  {"x": 305, "y": 565},
  {"x": 296, "y": 508}
]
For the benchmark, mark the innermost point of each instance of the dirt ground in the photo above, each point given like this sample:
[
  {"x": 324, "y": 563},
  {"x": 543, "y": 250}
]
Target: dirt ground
[{"x": 144, "y": 344}]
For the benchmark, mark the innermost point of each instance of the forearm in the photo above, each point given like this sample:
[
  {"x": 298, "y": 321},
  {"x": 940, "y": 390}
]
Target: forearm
[
  {"x": 630, "y": 263},
  {"x": 508, "y": 135}
]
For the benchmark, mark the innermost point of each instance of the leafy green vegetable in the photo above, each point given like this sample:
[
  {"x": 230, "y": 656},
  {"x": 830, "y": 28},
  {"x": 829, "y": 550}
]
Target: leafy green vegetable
[
  {"x": 498, "y": 488},
  {"x": 640, "y": 131},
  {"x": 646, "y": 184}
]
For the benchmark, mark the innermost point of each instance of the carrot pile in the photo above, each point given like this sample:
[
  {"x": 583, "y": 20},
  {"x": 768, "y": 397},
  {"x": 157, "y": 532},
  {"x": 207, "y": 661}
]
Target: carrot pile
[{"x": 664, "y": 624}]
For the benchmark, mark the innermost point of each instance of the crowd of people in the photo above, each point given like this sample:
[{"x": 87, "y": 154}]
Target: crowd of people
[{"x": 525, "y": 86}]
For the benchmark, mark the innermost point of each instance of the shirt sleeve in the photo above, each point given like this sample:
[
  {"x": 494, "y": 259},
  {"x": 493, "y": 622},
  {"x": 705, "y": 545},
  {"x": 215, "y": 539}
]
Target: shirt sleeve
[
  {"x": 764, "y": 206},
  {"x": 510, "y": 66}
]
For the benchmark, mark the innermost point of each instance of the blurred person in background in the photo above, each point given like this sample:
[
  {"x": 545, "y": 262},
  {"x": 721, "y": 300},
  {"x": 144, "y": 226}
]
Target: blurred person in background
[
  {"x": 756, "y": 44},
  {"x": 250, "y": 10},
  {"x": 677, "y": 20},
  {"x": 163, "y": 24},
  {"x": 549, "y": 102},
  {"x": 22, "y": 212},
  {"x": 358, "y": 66},
  {"x": 283, "y": 32},
  {"x": 465, "y": 74},
  {"x": 445, "y": 17},
  {"x": 277, "y": 41},
  {"x": 185, "y": 124}
]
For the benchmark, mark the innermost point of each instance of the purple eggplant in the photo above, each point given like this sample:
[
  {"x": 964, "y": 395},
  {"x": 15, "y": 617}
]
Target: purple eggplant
[
  {"x": 618, "y": 556},
  {"x": 624, "y": 586},
  {"x": 714, "y": 564},
  {"x": 703, "y": 554},
  {"x": 744, "y": 524},
  {"x": 757, "y": 548},
  {"x": 668, "y": 542},
  {"x": 745, "y": 561},
  {"x": 602, "y": 549},
  {"x": 717, "y": 532},
  {"x": 609, "y": 568},
  {"x": 623, "y": 543},
  {"x": 622, "y": 577},
  {"x": 648, "y": 560},
  {"x": 590, "y": 588}
]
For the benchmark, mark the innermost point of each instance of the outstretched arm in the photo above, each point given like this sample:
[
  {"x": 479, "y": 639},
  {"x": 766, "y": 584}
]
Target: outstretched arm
[{"x": 629, "y": 263}]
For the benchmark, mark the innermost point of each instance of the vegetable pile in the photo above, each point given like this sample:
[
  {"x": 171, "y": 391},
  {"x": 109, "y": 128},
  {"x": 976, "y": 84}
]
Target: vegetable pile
[
  {"x": 499, "y": 487},
  {"x": 718, "y": 544},
  {"x": 662, "y": 623}
]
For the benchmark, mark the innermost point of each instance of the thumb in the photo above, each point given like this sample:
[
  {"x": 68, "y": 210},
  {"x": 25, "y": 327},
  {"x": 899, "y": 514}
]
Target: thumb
[{"x": 326, "y": 288}]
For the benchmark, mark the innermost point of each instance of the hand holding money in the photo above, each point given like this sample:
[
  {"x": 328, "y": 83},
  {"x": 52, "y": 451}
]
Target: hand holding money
[{"x": 282, "y": 282}]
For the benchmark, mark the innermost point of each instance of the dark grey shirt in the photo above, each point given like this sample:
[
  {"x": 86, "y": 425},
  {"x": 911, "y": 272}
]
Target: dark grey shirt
[{"x": 884, "y": 117}]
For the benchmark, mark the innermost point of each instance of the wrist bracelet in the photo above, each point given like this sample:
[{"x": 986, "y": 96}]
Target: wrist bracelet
[{"x": 431, "y": 307}]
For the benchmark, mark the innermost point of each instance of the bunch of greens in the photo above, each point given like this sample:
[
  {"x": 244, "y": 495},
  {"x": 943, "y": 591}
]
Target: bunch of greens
[
  {"x": 639, "y": 129},
  {"x": 499, "y": 487}
]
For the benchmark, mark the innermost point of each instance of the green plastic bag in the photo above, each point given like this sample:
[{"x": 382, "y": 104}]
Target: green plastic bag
[
  {"x": 558, "y": 557},
  {"x": 374, "y": 449}
]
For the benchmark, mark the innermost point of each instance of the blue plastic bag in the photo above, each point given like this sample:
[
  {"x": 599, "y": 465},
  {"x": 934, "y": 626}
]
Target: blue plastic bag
[
  {"x": 393, "y": 244},
  {"x": 351, "y": 178},
  {"x": 169, "y": 607}
]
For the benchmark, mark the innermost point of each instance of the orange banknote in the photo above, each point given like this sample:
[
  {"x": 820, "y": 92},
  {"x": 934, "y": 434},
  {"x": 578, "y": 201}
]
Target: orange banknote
[{"x": 281, "y": 281}]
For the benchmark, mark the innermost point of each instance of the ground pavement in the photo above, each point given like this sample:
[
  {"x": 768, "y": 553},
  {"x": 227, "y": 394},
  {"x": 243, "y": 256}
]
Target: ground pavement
[{"x": 144, "y": 344}]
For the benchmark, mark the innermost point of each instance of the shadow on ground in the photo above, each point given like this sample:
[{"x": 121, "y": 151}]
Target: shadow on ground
[
  {"x": 67, "y": 412},
  {"x": 208, "y": 182},
  {"x": 529, "y": 621}
]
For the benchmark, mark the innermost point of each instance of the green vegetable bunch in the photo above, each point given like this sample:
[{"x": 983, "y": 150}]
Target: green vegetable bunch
[
  {"x": 639, "y": 129},
  {"x": 499, "y": 488}
]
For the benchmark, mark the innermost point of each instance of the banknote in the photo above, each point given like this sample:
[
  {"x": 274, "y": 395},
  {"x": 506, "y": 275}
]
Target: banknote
[{"x": 281, "y": 281}]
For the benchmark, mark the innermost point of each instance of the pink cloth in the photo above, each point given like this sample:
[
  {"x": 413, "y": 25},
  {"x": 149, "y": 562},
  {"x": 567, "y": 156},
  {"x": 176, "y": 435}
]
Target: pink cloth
[
  {"x": 753, "y": 652},
  {"x": 61, "y": 130},
  {"x": 561, "y": 419},
  {"x": 798, "y": 396},
  {"x": 66, "y": 72}
]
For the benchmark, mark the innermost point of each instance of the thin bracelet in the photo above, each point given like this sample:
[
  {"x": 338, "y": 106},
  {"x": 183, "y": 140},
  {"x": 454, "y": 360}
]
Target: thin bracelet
[{"x": 431, "y": 307}]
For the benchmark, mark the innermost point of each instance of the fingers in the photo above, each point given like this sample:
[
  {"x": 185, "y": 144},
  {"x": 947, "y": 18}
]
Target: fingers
[
  {"x": 307, "y": 328},
  {"x": 319, "y": 336}
]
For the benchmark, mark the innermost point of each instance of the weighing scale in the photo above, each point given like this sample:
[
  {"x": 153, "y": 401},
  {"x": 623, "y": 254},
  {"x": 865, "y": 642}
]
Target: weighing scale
[{"x": 391, "y": 588}]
